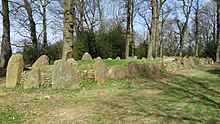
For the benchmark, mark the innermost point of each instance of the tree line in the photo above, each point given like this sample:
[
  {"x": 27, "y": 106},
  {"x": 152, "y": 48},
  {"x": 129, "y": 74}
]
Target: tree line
[{"x": 124, "y": 28}]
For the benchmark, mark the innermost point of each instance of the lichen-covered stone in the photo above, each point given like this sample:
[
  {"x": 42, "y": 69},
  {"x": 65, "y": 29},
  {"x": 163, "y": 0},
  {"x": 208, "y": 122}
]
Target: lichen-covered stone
[
  {"x": 100, "y": 71},
  {"x": 14, "y": 69},
  {"x": 34, "y": 79},
  {"x": 41, "y": 61},
  {"x": 133, "y": 69},
  {"x": 118, "y": 71},
  {"x": 64, "y": 75},
  {"x": 86, "y": 56}
]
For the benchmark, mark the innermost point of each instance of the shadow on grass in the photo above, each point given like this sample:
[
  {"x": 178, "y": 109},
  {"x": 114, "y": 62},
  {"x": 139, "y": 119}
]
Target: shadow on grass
[
  {"x": 183, "y": 100},
  {"x": 193, "y": 91},
  {"x": 196, "y": 90},
  {"x": 214, "y": 71},
  {"x": 190, "y": 91}
]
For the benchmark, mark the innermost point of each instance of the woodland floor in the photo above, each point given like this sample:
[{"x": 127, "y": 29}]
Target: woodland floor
[{"x": 189, "y": 96}]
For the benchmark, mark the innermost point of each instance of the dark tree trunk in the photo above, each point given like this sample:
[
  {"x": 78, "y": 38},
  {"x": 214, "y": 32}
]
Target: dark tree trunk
[
  {"x": 128, "y": 6},
  {"x": 44, "y": 26},
  {"x": 6, "y": 45},
  {"x": 218, "y": 31},
  {"x": 132, "y": 29}
]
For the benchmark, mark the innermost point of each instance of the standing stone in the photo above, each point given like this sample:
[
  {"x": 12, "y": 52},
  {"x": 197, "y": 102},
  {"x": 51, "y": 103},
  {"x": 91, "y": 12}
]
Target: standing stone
[
  {"x": 133, "y": 69},
  {"x": 185, "y": 62},
  {"x": 118, "y": 58},
  {"x": 118, "y": 71},
  {"x": 191, "y": 61},
  {"x": 100, "y": 71},
  {"x": 143, "y": 58},
  {"x": 33, "y": 79},
  {"x": 41, "y": 61},
  {"x": 86, "y": 56},
  {"x": 14, "y": 69},
  {"x": 64, "y": 75}
]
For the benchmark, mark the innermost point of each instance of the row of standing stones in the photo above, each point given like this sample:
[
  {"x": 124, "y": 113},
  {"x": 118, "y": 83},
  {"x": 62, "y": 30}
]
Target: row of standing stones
[{"x": 65, "y": 75}]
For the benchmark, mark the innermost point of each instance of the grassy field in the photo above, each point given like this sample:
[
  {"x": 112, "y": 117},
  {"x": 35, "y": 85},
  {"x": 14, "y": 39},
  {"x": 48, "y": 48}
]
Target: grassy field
[
  {"x": 88, "y": 64},
  {"x": 190, "y": 96}
]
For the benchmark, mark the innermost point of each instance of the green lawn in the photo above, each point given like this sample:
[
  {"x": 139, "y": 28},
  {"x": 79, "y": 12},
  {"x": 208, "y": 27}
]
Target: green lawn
[
  {"x": 190, "y": 97},
  {"x": 88, "y": 64}
]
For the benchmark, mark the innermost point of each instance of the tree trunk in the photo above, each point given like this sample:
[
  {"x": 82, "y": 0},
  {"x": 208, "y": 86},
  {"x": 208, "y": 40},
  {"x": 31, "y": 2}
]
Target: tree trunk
[
  {"x": 181, "y": 43},
  {"x": 161, "y": 48},
  {"x": 32, "y": 24},
  {"x": 69, "y": 23},
  {"x": 6, "y": 45},
  {"x": 197, "y": 29},
  {"x": 150, "y": 46},
  {"x": 132, "y": 29},
  {"x": 157, "y": 28},
  {"x": 80, "y": 4},
  {"x": 44, "y": 26},
  {"x": 128, "y": 6},
  {"x": 218, "y": 31},
  {"x": 100, "y": 16}
]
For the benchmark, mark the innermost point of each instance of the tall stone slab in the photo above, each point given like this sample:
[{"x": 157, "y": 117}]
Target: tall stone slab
[
  {"x": 100, "y": 71},
  {"x": 64, "y": 75},
  {"x": 14, "y": 69},
  {"x": 34, "y": 79}
]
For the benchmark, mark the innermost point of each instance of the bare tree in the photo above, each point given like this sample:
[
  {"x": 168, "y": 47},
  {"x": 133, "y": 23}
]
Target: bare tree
[
  {"x": 187, "y": 7},
  {"x": 218, "y": 31},
  {"x": 6, "y": 44},
  {"x": 196, "y": 8},
  {"x": 159, "y": 5},
  {"x": 41, "y": 9},
  {"x": 150, "y": 46},
  {"x": 132, "y": 29},
  {"x": 28, "y": 8}
]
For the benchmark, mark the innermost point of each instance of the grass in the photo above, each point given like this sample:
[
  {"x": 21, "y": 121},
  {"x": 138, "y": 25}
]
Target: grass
[
  {"x": 9, "y": 116},
  {"x": 88, "y": 64},
  {"x": 189, "y": 97}
]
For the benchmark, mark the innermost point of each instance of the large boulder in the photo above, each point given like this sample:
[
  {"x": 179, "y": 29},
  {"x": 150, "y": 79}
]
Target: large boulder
[
  {"x": 86, "y": 56},
  {"x": 133, "y": 69},
  {"x": 100, "y": 71},
  {"x": 41, "y": 61},
  {"x": 34, "y": 79},
  {"x": 64, "y": 75},
  {"x": 118, "y": 71},
  {"x": 14, "y": 69}
]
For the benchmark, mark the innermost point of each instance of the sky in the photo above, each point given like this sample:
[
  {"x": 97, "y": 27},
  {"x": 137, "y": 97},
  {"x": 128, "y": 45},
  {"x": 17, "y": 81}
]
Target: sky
[{"x": 55, "y": 37}]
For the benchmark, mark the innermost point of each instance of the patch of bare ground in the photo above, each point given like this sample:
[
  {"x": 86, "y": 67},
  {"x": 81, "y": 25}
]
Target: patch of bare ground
[{"x": 66, "y": 115}]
